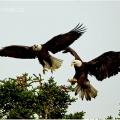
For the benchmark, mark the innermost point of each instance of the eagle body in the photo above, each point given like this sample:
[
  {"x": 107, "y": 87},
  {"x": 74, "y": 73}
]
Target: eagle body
[
  {"x": 80, "y": 74},
  {"x": 83, "y": 87},
  {"x": 41, "y": 51},
  {"x": 104, "y": 66},
  {"x": 43, "y": 55}
]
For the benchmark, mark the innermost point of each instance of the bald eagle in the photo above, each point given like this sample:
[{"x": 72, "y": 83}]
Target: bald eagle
[
  {"x": 41, "y": 51},
  {"x": 103, "y": 66}
]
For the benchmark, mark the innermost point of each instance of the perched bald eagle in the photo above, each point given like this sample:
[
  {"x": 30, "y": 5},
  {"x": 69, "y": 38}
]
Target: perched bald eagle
[
  {"x": 41, "y": 51},
  {"x": 106, "y": 65}
]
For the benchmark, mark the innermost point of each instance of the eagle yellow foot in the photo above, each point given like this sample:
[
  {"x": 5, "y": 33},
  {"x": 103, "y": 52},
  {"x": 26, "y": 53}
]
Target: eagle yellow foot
[
  {"x": 44, "y": 70},
  {"x": 52, "y": 69},
  {"x": 72, "y": 81}
]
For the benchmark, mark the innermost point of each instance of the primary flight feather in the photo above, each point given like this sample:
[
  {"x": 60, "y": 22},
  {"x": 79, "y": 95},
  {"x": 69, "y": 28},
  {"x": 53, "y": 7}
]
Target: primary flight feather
[{"x": 41, "y": 51}]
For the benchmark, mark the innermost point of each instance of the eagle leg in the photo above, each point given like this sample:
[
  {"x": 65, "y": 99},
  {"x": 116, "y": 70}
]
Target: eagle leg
[
  {"x": 72, "y": 81},
  {"x": 52, "y": 69},
  {"x": 44, "y": 70}
]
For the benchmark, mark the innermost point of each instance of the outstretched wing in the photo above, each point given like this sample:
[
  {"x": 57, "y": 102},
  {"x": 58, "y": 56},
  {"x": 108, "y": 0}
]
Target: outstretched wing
[
  {"x": 69, "y": 49},
  {"x": 106, "y": 65},
  {"x": 62, "y": 41},
  {"x": 16, "y": 51}
]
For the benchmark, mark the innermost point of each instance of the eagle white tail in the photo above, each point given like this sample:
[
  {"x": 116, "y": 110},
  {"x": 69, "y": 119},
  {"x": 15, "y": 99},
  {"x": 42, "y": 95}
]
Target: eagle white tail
[
  {"x": 56, "y": 63},
  {"x": 87, "y": 91}
]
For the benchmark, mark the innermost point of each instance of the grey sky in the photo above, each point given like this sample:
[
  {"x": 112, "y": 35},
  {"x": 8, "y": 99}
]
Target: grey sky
[{"x": 26, "y": 23}]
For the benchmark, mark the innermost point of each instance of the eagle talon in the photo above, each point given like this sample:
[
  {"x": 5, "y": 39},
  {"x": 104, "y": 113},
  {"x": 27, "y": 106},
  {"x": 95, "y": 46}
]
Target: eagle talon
[
  {"x": 69, "y": 80},
  {"x": 75, "y": 80},
  {"x": 72, "y": 81},
  {"x": 52, "y": 69},
  {"x": 44, "y": 70}
]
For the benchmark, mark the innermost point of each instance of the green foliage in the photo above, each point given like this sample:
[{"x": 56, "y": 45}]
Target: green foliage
[
  {"x": 77, "y": 115},
  {"x": 118, "y": 114},
  {"x": 16, "y": 101},
  {"x": 20, "y": 100},
  {"x": 109, "y": 118},
  {"x": 53, "y": 100}
]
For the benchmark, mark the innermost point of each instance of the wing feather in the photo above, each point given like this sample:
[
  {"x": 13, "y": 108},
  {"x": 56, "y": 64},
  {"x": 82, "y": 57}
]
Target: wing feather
[
  {"x": 106, "y": 65},
  {"x": 62, "y": 41},
  {"x": 69, "y": 49},
  {"x": 16, "y": 51}
]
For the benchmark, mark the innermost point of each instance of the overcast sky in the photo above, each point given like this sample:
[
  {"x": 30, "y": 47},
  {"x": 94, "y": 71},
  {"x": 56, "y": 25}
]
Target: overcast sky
[{"x": 27, "y": 23}]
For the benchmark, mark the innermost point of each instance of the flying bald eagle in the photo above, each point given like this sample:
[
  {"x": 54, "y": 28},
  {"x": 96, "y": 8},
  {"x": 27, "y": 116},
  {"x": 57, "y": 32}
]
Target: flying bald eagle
[
  {"x": 106, "y": 65},
  {"x": 41, "y": 51}
]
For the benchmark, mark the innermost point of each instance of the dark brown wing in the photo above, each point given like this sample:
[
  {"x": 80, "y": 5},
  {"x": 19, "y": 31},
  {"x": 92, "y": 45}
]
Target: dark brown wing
[
  {"x": 106, "y": 65},
  {"x": 62, "y": 41},
  {"x": 69, "y": 49},
  {"x": 16, "y": 51}
]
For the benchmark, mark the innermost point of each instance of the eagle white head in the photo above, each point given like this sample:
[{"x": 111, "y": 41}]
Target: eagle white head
[
  {"x": 77, "y": 63},
  {"x": 37, "y": 47}
]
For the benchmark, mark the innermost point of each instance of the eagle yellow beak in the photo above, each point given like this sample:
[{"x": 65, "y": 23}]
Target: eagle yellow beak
[{"x": 72, "y": 63}]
